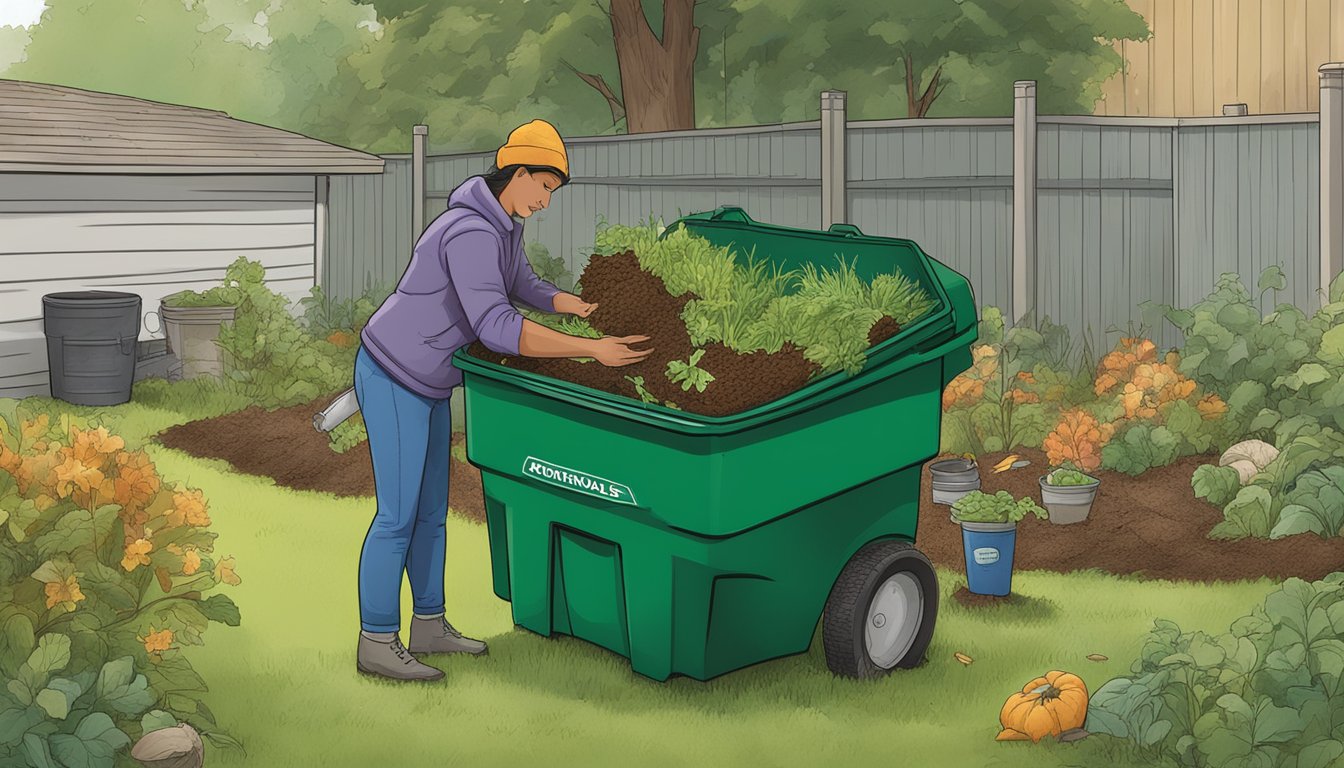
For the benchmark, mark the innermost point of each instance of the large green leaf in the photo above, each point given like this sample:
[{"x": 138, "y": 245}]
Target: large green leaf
[
  {"x": 1272, "y": 278},
  {"x": 1249, "y": 514},
  {"x": 1331, "y": 350},
  {"x": 38, "y": 752},
  {"x": 1216, "y": 485},
  {"x": 58, "y": 697},
  {"x": 1186, "y": 422},
  {"x": 1321, "y": 754},
  {"x": 222, "y": 609},
  {"x": 155, "y": 720},
  {"x": 51, "y": 655},
  {"x": 16, "y": 642},
  {"x": 174, "y": 675},
  {"x": 121, "y": 688},
  {"x": 15, "y": 722},
  {"x": 1307, "y": 375},
  {"x": 93, "y": 745}
]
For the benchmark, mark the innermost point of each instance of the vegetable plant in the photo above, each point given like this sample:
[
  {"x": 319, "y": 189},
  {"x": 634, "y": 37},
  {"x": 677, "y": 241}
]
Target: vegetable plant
[
  {"x": 1000, "y": 507},
  {"x": 688, "y": 375},
  {"x": 1066, "y": 476},
  {"x": 1077, "y": 439},
  {"x": 644, "y": 395},
  {"x": 550, "y": 268},
  {"x": 1266, "y": 693}
]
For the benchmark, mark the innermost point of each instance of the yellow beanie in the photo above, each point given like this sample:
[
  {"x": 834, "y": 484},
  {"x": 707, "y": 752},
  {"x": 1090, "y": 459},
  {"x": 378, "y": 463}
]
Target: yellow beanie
[{"x": 534, "y": 143}]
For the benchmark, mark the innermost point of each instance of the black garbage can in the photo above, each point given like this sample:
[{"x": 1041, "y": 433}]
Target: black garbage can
[{"x": 91, "y": 344}]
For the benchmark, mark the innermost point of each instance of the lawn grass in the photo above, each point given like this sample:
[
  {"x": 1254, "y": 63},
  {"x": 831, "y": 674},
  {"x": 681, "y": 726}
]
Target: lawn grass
[{"x": 284, "y": 681}]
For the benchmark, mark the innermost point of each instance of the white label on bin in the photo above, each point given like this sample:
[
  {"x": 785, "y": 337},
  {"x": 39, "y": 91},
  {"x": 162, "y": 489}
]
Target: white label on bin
[
  {"x": 575, "y": 480},
  {"x": 986, "y": 556}
]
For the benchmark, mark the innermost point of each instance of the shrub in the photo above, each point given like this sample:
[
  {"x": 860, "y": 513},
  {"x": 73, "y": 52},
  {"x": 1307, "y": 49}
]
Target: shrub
[
  {"x": 104, "y": 570},
  {"x": 1269, "y": 692},
  {"x": 1139, "y": 448},
  {"x": 1078, "y": 439}
]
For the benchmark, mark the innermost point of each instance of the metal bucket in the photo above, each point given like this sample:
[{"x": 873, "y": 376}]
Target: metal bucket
[{"x": 953, "y": 478}]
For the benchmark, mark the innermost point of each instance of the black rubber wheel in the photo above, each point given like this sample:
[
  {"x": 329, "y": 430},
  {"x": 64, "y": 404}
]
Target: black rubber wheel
[{"x": 908, "y": 588}]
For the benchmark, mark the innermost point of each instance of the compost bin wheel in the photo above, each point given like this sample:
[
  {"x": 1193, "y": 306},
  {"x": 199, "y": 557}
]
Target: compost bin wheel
[{"x": 881, "y": 611}]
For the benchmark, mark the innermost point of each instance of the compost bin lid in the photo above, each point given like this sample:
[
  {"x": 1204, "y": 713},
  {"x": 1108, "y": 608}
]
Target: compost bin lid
[{"x": 91, "y": 298}]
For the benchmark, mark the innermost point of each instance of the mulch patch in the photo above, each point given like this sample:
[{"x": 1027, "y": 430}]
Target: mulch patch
[
  {"x": 283, "y": 445},
  {"x": 1151, "y": 526}
]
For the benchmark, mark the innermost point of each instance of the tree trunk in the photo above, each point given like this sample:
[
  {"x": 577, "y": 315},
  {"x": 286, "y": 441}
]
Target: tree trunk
[
  {"x": 657, "y": 78},
  {"x": 919, "y": 107}
]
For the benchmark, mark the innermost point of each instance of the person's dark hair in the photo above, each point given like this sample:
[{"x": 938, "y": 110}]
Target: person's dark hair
[{"x": 498, "y": 178}]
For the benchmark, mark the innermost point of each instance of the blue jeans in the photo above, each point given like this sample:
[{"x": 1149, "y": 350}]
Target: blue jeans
[{"x": 410, "y": 441}]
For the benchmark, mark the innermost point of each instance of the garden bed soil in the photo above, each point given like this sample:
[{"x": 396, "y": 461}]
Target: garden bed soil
[
  {"x": 633, "y": 302},
  {"x": 283, "y": 445},
  {"x": 1150, "y": 526}
]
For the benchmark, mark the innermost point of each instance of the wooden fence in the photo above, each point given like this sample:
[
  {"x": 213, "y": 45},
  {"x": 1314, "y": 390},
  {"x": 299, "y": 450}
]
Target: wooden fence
[{"x": 1079, "y": 218}]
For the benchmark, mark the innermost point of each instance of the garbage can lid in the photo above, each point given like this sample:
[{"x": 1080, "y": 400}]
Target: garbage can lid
[{"x": 91, "y": 298}]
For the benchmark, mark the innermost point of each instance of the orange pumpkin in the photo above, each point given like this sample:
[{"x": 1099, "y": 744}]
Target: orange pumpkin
[{"x": 1047, "y": 706}]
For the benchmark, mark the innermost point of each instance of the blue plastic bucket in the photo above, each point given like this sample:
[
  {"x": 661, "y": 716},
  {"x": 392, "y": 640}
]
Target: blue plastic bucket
[{"x": 988, "y": 549}]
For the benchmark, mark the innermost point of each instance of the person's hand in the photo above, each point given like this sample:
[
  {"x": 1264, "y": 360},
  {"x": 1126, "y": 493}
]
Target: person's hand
[
  {"x": 615, "y": 351},
  {"x": 569, "y": 304}
]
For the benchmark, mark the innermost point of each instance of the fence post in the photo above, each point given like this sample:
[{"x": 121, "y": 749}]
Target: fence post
[
  {"x": 832, "y": 158},
  {"x": 419, "y": 142},
  {"x": 321, "y": 217},
  {"x": 1332, "y": 173},
  {"x": 1024, "y": 199}
]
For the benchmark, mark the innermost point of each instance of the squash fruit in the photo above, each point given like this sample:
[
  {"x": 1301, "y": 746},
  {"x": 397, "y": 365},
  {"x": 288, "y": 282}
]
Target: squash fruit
[{"x": 1047, "y": 706}]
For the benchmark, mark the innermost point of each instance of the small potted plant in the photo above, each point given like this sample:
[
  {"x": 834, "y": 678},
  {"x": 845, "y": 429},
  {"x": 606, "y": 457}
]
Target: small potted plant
[
  {"x": 1068, "y": 493},
  {"x": 989, "y": 537}
]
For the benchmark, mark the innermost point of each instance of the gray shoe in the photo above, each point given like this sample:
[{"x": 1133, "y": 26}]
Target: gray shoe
[
  {"x": 438, "y": 636},
  {"x": 391, "y": 659}
]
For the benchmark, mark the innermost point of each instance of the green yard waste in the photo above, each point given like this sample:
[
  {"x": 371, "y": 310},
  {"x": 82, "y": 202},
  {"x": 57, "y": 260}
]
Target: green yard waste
[{"x": 696, "y": 545}]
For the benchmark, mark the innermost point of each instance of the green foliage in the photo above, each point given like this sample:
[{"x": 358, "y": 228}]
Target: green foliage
[
  {"x": 550, "y": 268},
  {"x": 1283, "y": 362},
  {"x": 688, "y": 375},
  {"x": 269, "y": 356},
  {"x": 348, "y": 434},
  {"x": 324, "y": 315},
  {"x": 1269, "y": 692},
  {"x": 104, "y": 571},
  {"x": 753, "y": 306},
  {"x": 566, "y": 324},
  {"x": 1001, "y": 507},
  {"x": 1065, "y": 477},
  {"x": 1315, "y": 505},
  {"x": 645, "y": 396},
  {"x": 1216, "y": 485},
  {"x": 1139, "y": 448}
]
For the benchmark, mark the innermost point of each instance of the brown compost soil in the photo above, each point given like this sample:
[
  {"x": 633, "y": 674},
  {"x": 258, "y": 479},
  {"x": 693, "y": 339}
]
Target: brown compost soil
[
  {"x": 283, "y": 445},
  {"x": 1150, "y": 526},
  {"x": 633, "y": 302}
]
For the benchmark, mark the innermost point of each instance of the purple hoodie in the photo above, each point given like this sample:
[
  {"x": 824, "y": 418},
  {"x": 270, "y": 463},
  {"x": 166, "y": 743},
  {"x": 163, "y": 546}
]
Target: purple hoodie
[{"x": 465, "y": 271}]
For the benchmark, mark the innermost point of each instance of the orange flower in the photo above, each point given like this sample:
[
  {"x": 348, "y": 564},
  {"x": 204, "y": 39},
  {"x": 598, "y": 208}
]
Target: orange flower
[
  {"x": 137, "y": 481},
  {"x": 1021, "y": 397},
  {"x": 189, "y": 508},
  {"x": 1078, "y": 438},
  {"x": 65, "y": 592},
  {"x": 191, "y": 559},
  {"x": 71, "y": 473},
  {"x": 10, "y": 461},
  {"x": 1026, "y": 377},
  {"x": 38, "y": 470},
  {"x": 94, "y": 447},
  {"x": 225, "y": 573},
  {"x": 35, "y": 428},
  {"x": 962, "y": 390},
  {"x": 157, "y": 642},
  {"x": 1212, "y": 407},
  {"x": 137, "y": 554}
]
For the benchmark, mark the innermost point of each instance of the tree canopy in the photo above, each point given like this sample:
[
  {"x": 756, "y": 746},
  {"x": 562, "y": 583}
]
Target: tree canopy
[{"x": 362, "y": 74}]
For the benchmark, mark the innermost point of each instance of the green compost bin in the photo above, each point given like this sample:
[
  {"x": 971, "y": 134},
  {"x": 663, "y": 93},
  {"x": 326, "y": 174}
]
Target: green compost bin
[{"x": 700, "y": 545}]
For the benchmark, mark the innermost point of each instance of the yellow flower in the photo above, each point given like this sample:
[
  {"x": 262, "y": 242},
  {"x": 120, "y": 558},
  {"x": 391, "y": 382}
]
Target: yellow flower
[
  {"x": 137, "y": 554},
  {"x": 225, "y": 573},
  {"x": 65, "y": 593},
  {"x": 157, "y": 642}
]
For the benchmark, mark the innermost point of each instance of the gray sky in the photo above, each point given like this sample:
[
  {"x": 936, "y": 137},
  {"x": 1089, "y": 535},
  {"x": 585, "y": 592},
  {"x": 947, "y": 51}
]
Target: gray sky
[{"x": 20, "y": 13}]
